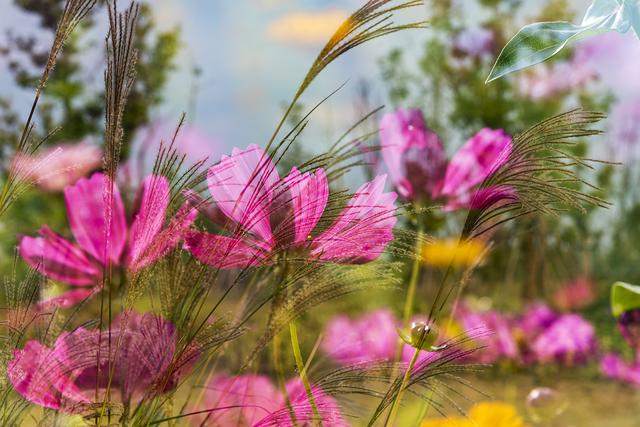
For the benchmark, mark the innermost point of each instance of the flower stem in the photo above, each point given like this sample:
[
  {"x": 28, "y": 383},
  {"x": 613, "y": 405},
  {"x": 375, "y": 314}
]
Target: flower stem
[
  {"x": 302, "y": 372},
  {"x": 411, "y": 291},
  {"x": 405, "y": 380},
  {"x": 413, "y": 281}
]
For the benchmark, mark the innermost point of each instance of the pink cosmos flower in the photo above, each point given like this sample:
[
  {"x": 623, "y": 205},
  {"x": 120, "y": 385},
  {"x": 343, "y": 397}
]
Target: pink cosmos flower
[
  {"x": 53, "y": 168},
  {"x": 569, "y": 340},
  {"x": 102, "y": 240},
  {"x": 413, "y": 153},
  {"x": 537, "y": 317},
  {"x": 615, "y": 367},
  {"x": 499, "y": 344},
  {"x": 417, "y": 163},
  {"x": 270, "y": 214},
  {"x": 253, "y": 400},
  {"x": 142, "y": 360},
  {"x": 371, "y": 337},
  {"x": 575, "y": 295},
  {"x": 247, "y": 399}
]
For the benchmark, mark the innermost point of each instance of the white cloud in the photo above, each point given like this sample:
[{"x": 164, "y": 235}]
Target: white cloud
[{"x": 306, "y": 28}]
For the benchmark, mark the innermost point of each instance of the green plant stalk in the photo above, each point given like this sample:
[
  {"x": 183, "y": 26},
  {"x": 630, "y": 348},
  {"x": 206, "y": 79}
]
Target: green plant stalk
[
  {"x": 405, "y": 380},
  {"x": 411, "y": 291},
  {"x": 422, "y": 413},
  {"x": 280, "y": 376},
  {"x": 413, "y": 281},
  {"x": 302, "y": 371}
]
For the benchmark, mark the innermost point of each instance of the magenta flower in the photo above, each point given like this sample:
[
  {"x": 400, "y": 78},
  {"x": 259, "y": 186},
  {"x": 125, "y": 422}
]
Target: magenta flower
[
  {"x": 417, "y": 163},
  {"x": 629, "y": 325},
  {"x": 615, "y": 367},
  {"x": 253, "y": 400},
  {"x": 81, "y": 264},
  {"x": 499, "y": 344},
  {"x": 414, "y": 155},
  {"x": 536, "y": 319},
  {"x": 247, "y": 399},
  {"x": 142, "y": 362},
  {"x": 568, "y": 340},
  {"x": 371, "y": 337},
  {"x": 328, "y": 408},
  {"x": 270, "y": 214},
  {"x": 52, "y": 169}
]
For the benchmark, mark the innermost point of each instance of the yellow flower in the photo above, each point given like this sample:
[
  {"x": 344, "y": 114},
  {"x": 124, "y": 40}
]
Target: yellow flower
[
  {"x": 483, "y": 414},
  {"x": 445, "y": 252}
]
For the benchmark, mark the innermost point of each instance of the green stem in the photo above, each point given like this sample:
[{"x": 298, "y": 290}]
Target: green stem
[
  {"x": 295, "y": 345},
  {"x": 413, "y": 281},
  {"x": 405, "y": 380},
  {"x": 411, "y": 291},
  {"x": 422, "y": 413},
  {"x": 280, "y": 377}
]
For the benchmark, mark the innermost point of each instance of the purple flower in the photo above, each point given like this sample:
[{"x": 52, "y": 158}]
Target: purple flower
[
  {"x": 419, "y": 169},
  {"x": 568, "y": 340},
  {"x": 629, "y": 324},
  {"x": 140, "y": 362},
  {"x": 476, "y": 41}
]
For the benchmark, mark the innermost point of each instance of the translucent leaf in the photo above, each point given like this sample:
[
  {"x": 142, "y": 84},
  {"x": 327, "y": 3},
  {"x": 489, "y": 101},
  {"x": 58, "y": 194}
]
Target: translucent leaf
[
  {"x": 624, "y": 297},
  {"x": 537, "y": 42}
]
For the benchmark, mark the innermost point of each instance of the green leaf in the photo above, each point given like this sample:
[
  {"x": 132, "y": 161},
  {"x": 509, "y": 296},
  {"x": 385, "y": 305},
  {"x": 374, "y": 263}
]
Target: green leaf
[
  {"x": 533, "y": 44},
  {"x": 624, "y": 297},
  {"x": 539, "y": 41}
]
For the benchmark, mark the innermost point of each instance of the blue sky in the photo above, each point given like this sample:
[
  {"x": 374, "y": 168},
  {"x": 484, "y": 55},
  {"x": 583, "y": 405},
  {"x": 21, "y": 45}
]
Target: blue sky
[{"x": 250, "y": 64}]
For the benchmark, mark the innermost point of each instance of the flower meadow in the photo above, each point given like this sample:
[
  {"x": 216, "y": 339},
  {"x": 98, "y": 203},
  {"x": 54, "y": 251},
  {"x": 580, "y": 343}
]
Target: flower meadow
[{"x": 465, "y": 253}]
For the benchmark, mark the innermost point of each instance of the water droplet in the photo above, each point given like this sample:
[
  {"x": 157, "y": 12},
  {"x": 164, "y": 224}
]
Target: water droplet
[
  {"x": 545, "y": 404},
  {"x": 423, "y": 335}
]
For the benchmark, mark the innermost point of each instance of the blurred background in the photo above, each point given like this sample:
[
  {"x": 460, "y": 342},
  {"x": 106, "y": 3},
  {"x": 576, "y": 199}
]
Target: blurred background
[
  {"x": 237, "y": 62},
  {"x": 233, "y": 66}
]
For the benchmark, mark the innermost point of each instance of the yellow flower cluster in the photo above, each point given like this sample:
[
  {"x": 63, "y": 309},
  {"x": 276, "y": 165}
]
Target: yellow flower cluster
[{"x": 483, "y": 414}]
